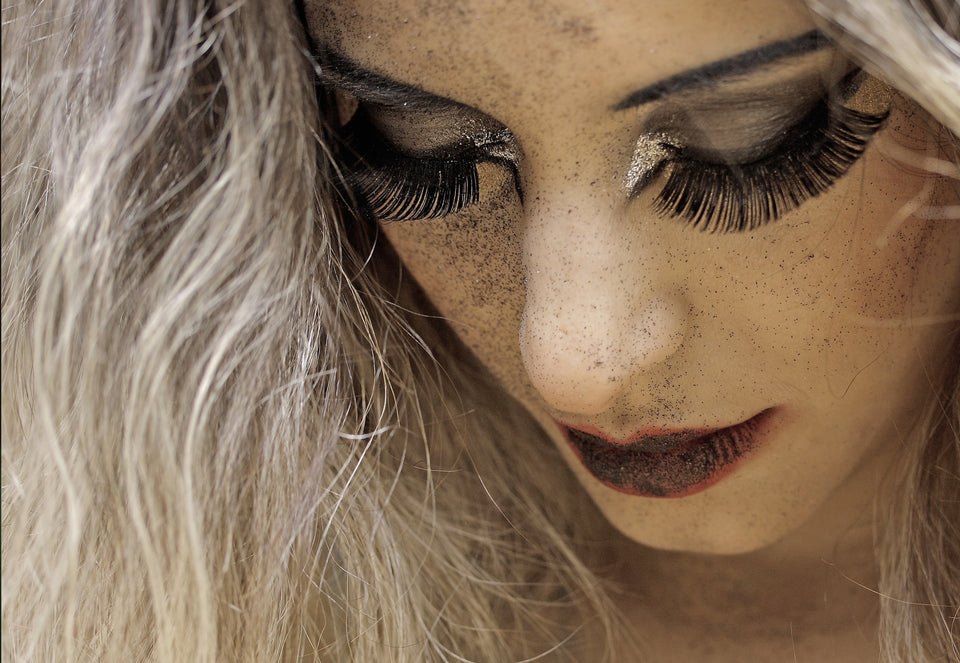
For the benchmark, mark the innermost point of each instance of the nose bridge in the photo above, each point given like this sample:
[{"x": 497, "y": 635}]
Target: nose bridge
[
  {"x": 577, "y": 266},
  {"x": 598, "y": 309}
]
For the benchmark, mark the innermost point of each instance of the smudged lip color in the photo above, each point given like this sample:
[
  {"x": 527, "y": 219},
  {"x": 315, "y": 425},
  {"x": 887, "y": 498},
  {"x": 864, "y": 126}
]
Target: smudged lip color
[{"x": 667, "y": 463}]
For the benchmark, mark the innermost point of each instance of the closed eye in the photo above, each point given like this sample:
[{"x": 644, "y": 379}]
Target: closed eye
[
  {"x": 394, "y": 185},
  {"x": 722, "y": 197}
]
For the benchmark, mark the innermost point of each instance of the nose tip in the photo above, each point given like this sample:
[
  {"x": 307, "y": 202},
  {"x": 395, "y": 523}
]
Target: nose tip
[
  {"x": 582, "y": 357},
  {"x": 602, "y": 302}
]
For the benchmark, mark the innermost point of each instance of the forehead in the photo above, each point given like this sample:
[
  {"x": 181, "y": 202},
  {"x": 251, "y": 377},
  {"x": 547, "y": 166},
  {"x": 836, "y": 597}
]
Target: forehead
[{"x": 483, "y": 51}]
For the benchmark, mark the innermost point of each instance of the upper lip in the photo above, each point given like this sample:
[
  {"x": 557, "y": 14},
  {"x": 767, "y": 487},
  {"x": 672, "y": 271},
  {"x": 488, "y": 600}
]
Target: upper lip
[{"x": 649, "y": 439}]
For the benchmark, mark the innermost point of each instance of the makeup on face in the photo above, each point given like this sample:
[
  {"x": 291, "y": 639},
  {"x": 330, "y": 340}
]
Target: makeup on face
[
  {"x": 410, "y": 119},
  {"x": 715, "y": 146},
  {"x": 439, "y": 131},
  {"x": 744, "y": 120},
  {"x": 668, "y": 463},
  {"x": 741, "y": 191},
  {"x": 415, "y": 156},
  {"x": 436, "y": 178}
]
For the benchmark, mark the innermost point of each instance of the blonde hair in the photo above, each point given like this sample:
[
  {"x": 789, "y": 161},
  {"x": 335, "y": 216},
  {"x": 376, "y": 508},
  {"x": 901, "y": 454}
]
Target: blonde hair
[
  {"x": 231, "y": 429},
  {"x": 915, "y": 45}
]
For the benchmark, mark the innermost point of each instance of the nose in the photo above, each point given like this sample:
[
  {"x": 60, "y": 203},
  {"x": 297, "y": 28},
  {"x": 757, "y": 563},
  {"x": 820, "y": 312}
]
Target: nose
[{"x": 600, "y": 309}]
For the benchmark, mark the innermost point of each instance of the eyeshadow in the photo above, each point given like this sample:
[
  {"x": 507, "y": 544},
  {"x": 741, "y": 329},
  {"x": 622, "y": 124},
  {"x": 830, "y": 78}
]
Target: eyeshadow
[
  {"x": 737, "y": 123},
  {"x": 648, "y": 154},
  {"x": 867, "y": 94}
]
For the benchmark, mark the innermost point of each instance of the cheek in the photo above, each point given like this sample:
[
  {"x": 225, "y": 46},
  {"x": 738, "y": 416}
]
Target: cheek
[
  {"x": 860, "y": 303},
  {"x": 905, "y": 265},
  {"x": 469, "y": 265}
]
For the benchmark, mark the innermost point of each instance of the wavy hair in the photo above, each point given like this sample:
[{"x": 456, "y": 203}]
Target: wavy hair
[
  {"x": 915, "y": 45},
  {"x": 232, "y": 430}
]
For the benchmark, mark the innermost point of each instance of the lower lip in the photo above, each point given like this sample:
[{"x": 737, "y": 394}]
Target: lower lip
[{"x": 684, "y": 469}]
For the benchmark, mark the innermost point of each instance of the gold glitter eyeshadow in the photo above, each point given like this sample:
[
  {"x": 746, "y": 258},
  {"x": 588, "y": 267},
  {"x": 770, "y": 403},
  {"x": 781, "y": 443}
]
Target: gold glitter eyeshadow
[
  {"x": 648, "y": 154},
  {"x": 871, "y": 95}
]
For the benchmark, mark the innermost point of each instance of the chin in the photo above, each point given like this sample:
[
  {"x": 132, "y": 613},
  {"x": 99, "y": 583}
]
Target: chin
[
  {"x": 696, "y": 524},
  {"x": 723, "y": 543}
]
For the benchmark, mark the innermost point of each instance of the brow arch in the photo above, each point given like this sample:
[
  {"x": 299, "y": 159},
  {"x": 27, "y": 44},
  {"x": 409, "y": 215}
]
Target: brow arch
[{"x": 710, "y": 74}]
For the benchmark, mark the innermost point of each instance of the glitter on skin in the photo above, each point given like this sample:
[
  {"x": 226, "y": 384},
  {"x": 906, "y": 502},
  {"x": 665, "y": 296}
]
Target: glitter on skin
[{"x": 648, "y": 155}]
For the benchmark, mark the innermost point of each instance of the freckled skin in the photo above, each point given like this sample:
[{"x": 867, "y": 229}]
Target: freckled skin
[{"x": 593, "y": 309}]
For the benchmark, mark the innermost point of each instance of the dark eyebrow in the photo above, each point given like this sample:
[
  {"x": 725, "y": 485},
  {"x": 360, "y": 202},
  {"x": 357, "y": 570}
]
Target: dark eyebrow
[
  {"x": 335, "y": 69},
  {"x": 339, "y": 71},
  {"x": 709, "y": 74}
]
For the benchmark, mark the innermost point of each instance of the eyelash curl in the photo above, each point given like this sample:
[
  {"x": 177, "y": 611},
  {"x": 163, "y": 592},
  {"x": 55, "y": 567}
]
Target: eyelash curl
[{"x": 727, "y": 198}]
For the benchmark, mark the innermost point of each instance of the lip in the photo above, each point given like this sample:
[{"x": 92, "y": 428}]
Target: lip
[{"x": 667, "y": 463}]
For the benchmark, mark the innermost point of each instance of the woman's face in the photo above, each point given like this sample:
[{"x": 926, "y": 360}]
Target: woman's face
[{"x": 723, "y": 307}]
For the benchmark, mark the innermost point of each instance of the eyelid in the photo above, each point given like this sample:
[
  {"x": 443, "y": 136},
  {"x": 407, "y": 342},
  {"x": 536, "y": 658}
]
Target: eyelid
[
  {"x": 715, "y": 137},
  {"x": 737, "y": 123},
  {"x": 708, "y": 131},
  {"x": 451, "y": 132}
]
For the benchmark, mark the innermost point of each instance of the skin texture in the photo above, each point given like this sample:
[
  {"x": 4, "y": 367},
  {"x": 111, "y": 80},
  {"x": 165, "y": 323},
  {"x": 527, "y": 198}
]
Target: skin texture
[{"x": 593, "y": 309}]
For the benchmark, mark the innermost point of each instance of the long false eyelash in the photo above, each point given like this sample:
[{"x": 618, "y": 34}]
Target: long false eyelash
[
  {"x": 395, "y": 187},
  {"x": 737, "y": 198},
  {"x": 405, "y": 189}
]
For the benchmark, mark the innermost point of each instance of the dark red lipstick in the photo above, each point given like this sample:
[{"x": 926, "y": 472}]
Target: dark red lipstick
[{"x": 667, "y": 463}]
